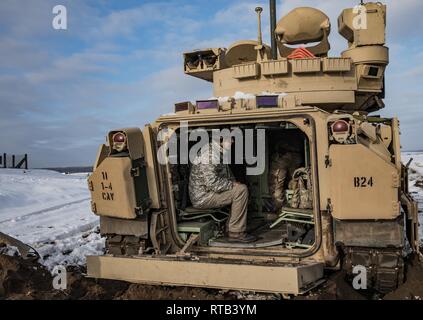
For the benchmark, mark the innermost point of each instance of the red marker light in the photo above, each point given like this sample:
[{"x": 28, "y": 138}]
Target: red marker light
[
  {"x": 119, "y": 138},
  {"x": 340, "y": 126}
]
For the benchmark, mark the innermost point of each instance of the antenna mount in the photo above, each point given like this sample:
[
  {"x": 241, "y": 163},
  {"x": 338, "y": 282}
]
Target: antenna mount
[{"x": 259, "y": 10}]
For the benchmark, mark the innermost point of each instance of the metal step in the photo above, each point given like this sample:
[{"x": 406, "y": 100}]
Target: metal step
[
  {"x": 265, "y": 238},
  {"x": 286, "y": 278}
]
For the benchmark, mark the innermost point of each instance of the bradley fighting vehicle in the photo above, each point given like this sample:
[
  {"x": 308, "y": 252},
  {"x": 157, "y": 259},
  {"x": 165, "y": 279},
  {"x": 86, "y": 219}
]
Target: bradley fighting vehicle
[{"x": 359, "y": 211}]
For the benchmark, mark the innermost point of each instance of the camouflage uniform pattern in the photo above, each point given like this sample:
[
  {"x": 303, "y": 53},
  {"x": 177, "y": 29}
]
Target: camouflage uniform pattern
[
  {"x": 303, "y": 193},
  {"x": 209, "y": 175},
  {"x": 282, "y": 167}
]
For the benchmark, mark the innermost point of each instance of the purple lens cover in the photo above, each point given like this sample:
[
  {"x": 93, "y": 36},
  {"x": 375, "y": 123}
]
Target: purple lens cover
[
  {"x": 207, "y": 104},
  {"x": 267, "y": 101},
  {"x": 183, "y": 106}
]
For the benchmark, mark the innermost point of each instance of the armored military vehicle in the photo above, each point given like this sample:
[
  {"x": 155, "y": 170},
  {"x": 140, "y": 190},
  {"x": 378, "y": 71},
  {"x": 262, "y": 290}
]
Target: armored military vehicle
[{"x": 345, "y": 205}]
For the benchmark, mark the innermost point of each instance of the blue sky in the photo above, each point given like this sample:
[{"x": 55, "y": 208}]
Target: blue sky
[{"x": 119, "y": 64}]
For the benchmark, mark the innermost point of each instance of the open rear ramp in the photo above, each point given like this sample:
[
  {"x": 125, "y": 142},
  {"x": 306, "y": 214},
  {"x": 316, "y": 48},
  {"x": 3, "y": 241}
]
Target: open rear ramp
[{"x": 289, "y": 278}]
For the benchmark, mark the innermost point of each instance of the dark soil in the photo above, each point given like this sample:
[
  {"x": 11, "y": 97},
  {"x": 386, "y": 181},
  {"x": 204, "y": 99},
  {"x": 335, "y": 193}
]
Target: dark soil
[
  {"x": 412, "y": 289},
  {"x": 25, "y": 279}
]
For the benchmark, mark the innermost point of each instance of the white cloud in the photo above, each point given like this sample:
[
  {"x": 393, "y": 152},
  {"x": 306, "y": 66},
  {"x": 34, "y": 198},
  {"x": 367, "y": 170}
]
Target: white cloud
[
  {"x": 75, "y": 66},
  {"x": 124, "y": 68}
]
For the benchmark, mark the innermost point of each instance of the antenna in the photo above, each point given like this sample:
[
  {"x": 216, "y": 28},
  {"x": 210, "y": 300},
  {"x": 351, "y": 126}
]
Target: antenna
[
  {"x": 259, "y": 10},
  {"x": 272, "y": 5}
]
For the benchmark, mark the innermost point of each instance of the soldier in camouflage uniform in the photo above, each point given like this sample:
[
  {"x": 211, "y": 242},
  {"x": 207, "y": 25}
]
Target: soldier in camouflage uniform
[
  {"x": 284, "y": 161},
  {"x": 212, "y": 185}
]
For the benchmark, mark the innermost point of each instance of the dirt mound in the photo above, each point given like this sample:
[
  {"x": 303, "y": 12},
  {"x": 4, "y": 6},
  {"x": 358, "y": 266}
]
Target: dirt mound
[
  {"x": 337, "y": 288},
  {"x": 412, "y": 289},
  {"x": 25, "y": 279},
  {"x": 144, "y": 292}
]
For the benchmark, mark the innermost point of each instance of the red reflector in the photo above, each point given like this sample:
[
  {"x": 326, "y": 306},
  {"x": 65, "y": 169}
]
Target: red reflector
[
  {"x": 301, "y": 53},
  {"x": 340, "y": 126},
  {"x": 119, "y": 137}
]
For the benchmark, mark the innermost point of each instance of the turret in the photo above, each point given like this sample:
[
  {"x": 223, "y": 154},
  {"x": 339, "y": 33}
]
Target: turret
[
  {"x": 302, "y": 26},
  {"x": 364, "y": 28},
  {"x": 298, "y": 65}
]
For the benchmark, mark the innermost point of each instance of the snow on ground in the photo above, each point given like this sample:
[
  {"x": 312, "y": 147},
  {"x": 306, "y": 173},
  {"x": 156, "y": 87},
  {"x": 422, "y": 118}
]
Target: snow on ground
[
  {"x": 9, "y": 251},
  {"x": 415, "y": 177},
  {"x": 51, "y": 212}
]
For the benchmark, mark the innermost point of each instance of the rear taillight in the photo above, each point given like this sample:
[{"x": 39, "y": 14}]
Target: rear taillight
[
  {"x": 340, "y": 126},
  {"x": 341, "y": 131},
  {"x": 119, "y": 137},
  {"x": 119, "y": 141}
]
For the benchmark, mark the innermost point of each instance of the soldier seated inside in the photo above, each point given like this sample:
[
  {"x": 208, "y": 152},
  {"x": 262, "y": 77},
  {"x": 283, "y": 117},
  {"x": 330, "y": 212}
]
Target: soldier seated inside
[
  {"x": 212, "y": 185},
  {"x": 284, "y": 161}
]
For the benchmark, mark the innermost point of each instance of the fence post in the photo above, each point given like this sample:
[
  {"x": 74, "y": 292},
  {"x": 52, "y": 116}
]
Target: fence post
[
  {"x": 26, "y": 161},
  {"x": 5, "y": 160},
  {"x": 13, "y": 161}
]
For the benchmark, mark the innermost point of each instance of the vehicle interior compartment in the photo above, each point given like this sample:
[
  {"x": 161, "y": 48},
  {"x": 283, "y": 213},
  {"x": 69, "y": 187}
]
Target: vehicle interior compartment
[{"x": 280, "y": 204}]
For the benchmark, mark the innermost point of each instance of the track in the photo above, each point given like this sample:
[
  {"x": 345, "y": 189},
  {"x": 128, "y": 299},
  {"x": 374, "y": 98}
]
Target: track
[
  {"x": 385, "y": 266},
  {"x": 53, "y": 223},
  {"x": 62, "y": 234},
  {"x": 57, "y": 207}
]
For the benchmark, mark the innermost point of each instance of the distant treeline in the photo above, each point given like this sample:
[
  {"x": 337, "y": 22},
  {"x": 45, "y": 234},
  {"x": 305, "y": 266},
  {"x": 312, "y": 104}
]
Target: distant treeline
[{"x": 72, "y": 169}]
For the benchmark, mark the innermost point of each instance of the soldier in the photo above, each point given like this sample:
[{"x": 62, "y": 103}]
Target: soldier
[
  {"x": 285, "y": 160},
  {"x": 212, "y": 185}
]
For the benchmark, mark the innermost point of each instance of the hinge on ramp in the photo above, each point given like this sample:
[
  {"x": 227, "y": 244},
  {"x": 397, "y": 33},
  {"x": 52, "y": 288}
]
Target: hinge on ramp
[
  {"x": 396, "y": 207},
  {"x": 328, "y": 161},
  {"x": 395, "y": 180}
]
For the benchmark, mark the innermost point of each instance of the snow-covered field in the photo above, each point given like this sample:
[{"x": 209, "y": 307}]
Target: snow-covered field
[
  {"x": 51, "y": 211},
  {"x": 415, "y": 177}
]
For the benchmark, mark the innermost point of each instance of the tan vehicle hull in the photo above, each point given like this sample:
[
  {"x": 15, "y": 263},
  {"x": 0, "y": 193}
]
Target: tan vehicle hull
[{"x": 361, "y": 214}]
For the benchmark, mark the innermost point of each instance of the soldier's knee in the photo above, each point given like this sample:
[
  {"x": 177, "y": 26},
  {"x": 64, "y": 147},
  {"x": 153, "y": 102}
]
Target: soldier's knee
[{"x": 241, "y": 189}]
